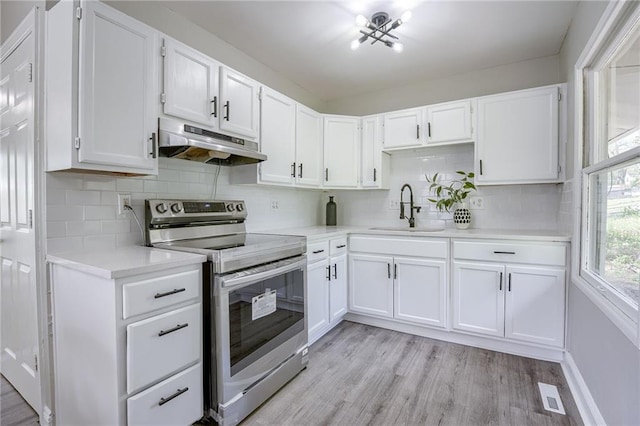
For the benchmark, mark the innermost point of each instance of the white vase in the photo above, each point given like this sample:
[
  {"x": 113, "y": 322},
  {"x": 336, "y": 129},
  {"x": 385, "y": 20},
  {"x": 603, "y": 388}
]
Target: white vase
[{"x": 462, "y": 216}]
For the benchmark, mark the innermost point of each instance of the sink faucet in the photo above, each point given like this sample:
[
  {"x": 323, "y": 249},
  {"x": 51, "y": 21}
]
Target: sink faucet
[{"x": 412, "y": 221}]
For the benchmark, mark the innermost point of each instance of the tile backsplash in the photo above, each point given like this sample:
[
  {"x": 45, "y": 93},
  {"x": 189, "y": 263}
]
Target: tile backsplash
[{"x": 82, "y": 209}]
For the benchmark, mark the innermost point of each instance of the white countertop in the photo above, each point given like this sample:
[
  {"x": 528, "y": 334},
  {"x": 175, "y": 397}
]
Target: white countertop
[
  {"x": 124, "y": 261},
  {"x": 319, "y": 232}
]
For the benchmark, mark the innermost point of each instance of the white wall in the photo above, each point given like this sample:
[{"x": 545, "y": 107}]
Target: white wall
[
  {"x": 12, "y": 12},
  {"x": 607, "y": 360},
  {"x": 506, "y": 207},
  {"x": 82, "y": 208},
  {"x": 505, "y": 78}
]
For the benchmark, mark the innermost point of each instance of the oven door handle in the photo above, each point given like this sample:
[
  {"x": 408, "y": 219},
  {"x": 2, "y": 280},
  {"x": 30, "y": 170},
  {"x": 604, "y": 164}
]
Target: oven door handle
[{"x": 248, "y": 277}]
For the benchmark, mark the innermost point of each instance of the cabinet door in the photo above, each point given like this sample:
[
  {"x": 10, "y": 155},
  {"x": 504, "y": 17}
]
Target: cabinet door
[
  {"x": 318, "y": 299},
  {"x": 118, "y": 90},
  {"x": 450, "y": 122},
  {"x": 403, "y": 128},
  {"x": 190, "y": 84},
  {"x": 338, "y": 288},
  {"x": 420, "y": 293},
  {"x": 371, "y": 137},
  {"x": 341, "y": 139},
  {"x": 371, "y": 285},
  {"x": 535, "y": 305},
  {"x": 478, "y": 298},
  {"x": 238, "y": 103},
  {"x": 277, "y": 137},
  {"x": 308, "y": 147},
  {"x": 518, "y": 137}
]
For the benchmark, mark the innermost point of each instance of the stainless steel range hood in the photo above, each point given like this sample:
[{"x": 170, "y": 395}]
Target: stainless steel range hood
[{"x": 179, "y": 140}]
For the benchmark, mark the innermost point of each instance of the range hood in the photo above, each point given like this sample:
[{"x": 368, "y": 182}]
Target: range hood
[{"x": 180, "y": 140}]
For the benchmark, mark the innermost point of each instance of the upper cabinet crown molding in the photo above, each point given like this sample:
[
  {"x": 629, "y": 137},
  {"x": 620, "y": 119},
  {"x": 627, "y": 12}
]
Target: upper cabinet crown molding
[{"x": 100, "y": 82}]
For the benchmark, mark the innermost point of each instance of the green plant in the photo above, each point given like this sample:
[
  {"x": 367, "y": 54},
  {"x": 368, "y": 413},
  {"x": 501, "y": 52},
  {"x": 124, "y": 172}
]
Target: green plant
[{"x": 448, "y": 195}]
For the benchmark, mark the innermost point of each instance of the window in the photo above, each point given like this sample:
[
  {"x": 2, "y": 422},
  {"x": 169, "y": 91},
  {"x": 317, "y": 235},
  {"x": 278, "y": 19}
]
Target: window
[{"x": 611, "y": 169}]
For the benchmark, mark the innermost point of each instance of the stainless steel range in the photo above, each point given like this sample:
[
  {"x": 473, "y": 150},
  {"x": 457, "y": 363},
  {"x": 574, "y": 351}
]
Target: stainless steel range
[{"x": 254, "y": 299}]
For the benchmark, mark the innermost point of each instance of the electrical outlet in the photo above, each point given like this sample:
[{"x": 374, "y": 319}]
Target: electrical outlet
[
  {"x": 394, "y": 205},
  {"x": 123, "y": 200},
  {"x": 477, "y": 203},
  {"x": 274, "y": 204}
]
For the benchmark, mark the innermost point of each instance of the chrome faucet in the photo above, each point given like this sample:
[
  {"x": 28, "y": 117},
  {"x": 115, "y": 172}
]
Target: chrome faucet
[{"x": 412, "y": 221}]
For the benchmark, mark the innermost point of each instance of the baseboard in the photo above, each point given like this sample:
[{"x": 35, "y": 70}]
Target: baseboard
[{"x": 581, "y": 395}]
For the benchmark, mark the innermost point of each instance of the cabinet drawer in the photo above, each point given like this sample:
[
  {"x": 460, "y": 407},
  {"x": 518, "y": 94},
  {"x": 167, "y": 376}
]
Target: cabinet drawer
[
  {"x": 175, "y": 401},
  {"x": 317, "y": 251},
  {"x": 157, "y": 293},
  {"x": 500, "y": 251},
  {"x": 338, "y": 246},
  {"x": 412, "y": 246},
  {"x": 161, "y": 345}
]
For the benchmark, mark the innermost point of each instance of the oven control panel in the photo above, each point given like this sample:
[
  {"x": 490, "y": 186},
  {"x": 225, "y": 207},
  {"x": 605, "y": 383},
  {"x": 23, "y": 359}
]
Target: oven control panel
[{"x": 216, "y": 210}]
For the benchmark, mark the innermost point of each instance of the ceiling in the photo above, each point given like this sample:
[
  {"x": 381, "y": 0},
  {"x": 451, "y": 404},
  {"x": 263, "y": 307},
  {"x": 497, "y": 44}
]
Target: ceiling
[{"x": 308, "y": 42}]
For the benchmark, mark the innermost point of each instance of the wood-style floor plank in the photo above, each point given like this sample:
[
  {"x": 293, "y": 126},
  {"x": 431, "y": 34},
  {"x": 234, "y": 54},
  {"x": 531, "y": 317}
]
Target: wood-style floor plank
[
  {"x": 14, "y": 410},
  {"x": 363, "y": 375}
]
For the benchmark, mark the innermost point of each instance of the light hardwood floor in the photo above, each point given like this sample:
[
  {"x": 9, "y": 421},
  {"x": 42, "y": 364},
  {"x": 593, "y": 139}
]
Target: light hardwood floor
[
  {"x": 362, "y": 375},
  {"x": 14, "y": 411}
]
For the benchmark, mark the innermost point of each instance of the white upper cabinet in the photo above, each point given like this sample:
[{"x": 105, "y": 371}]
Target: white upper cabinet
[
  {"x": 111, "y": 125},
  {"x": 190, "y": 84},
  {"x": 375, "y": 163},
  {"x": 449, "y": 123},
  {"x": 404, "y": 128},
  {"x": 518, "y": 137},
  {"x": 341, "y": 151},
  {"x": 238, "y": 103},
  {"x": 277, "y": 137},
  {"x": 308, "y": 147}
]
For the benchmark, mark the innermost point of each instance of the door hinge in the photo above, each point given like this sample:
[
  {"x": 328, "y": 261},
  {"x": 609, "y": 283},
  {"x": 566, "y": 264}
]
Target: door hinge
[
  {"x": 30, "y": 73},
  {"x": 77, "y": 143},
  {"x": 30, "y": 219},
  {"x": 78, "y": 13},
  {"x": 559, "y": 95},
  {"x": 260, "y": 170},
  {"x": 559, "y": 168},
  {"x": 163, "y": 98},
  {"x": 260, "y": 94},
  {"x": 35, "y": 362},
  {"x": 163, "y": 51}
]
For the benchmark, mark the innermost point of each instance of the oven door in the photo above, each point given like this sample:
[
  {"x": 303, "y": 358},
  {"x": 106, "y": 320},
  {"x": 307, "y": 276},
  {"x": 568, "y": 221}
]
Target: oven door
[{"x": 260, "y": 321}]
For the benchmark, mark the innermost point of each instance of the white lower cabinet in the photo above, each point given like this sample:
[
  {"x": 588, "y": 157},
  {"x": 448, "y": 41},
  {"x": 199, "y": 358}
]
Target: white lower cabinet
[
  {"x": 139, "y": 334},
  {"x": 326, "y": 286},
  {"x": 412, "y": 289},
  {"x": 515, "y": 301}
]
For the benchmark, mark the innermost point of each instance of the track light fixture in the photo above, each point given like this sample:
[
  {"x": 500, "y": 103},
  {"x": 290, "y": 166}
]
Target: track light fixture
[{"x": 379, "y": 28}]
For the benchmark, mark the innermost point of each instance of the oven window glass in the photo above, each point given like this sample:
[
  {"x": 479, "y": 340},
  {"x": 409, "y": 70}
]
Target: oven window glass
[{"x": 264, "y": 315}]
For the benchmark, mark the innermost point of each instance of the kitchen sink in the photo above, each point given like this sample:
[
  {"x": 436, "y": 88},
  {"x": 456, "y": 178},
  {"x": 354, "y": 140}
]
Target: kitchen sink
[{"x": 433, "y": 226}]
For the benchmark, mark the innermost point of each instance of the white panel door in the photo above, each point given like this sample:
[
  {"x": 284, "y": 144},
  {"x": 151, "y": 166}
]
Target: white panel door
[
  {"x": 371, "y": 136},
  {"x": 404, "y": 128},
  {"x": 239, "y": 103},
  {"x": 118, "y": 89},
  {"x": 190, "y": 84},
  {"x": 19, "y": 317},
  {"x": 535, "y": 305},
  {"x": 308, "y": 147},
  {"x": 478, "y": 298},
  {"x": 318, "y": 299},
  {"x": 371, "y": 285},
  {"x": 338, "y": 288},
  {"x": 277, "y": 137},
  {"x": 518, "y": 137},
  {"x": 420, "y": 291},
  {"x": 449, "y": 122},
  {"x": 341, "y": 154}
]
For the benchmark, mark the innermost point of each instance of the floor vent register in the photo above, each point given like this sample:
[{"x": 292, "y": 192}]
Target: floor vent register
[{"x": 551, "y": 398}]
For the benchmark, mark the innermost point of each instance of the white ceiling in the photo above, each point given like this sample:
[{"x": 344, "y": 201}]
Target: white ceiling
[{"x": 308, "y": 42}]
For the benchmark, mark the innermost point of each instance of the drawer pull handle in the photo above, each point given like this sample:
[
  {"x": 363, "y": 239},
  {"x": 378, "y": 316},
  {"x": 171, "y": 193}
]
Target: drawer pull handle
[
  {"x": 169, "y": 293},
  {"x": 335, "y": 271},
  {"x": 341, "y": 246},
  {"x": 171, "y": 330},
  {"x": 317, "y": 251},
  {"x": 504, "y": 252},
  {"x": 328, "y": 268},
  {"x": 175, "y": 395}
]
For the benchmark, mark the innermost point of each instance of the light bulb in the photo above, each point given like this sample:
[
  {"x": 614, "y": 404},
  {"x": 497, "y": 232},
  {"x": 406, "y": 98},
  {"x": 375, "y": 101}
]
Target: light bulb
[
  {"x": 361, "y": 21},
  {"x": 406, "y": 16},
  {"x": 355, "y": 44},
  {"x": 398, "y": 47}
]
